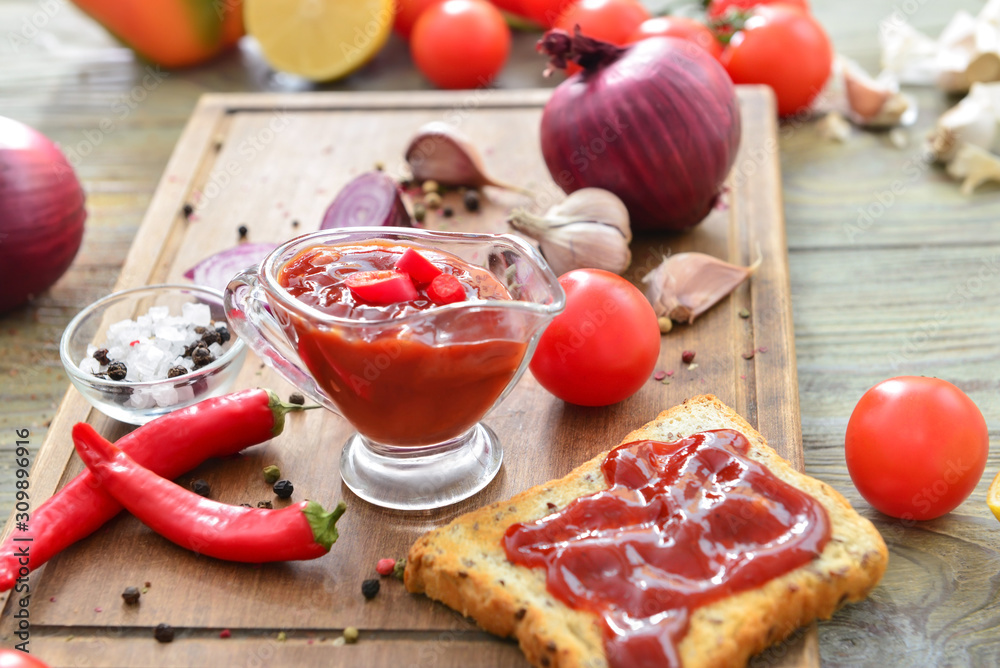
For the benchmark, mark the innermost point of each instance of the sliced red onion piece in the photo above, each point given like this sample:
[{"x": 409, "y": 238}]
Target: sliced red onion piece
[
  {"x": 217, "y": 270},
  {"x": 369, "y": 200}
]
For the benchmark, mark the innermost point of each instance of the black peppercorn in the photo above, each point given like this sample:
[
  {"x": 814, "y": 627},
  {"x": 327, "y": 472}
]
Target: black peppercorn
[
  {"x": 283, "y": 489},
  {"x": 164, "y": 633},
  {"x": 117, "y": 371},
  {"x": 419, "y": 212},
  {"x": 471, "y": 200},
  {"x": 369, "y": 588},
  {"x": 296, "y": 398},
  {"x": 210, "y": 336},
  {"x": 242, "y": 229},
  {"x": 245, "y": 505},
  {"x": 131, "y": 595},
  {"x": 295, "y": 223},
  {"x": 102, "y": 356},
  {"x": 199, "y": 330},
  {"x": 224, "y": 334},
  {"x": 201, "y": 487},
  {"x": 264, "y": 504},
  {"x": 187, "y": 210},
  {"x": 201, "y": 356},
  {"x": 448, "y": 212},
  {"x": 175, "y": 371}
]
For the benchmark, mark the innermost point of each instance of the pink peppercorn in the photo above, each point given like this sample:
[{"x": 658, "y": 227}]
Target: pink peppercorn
[
  {"x": 225, "y": 633},
  {"x": 385, "y": 566}
]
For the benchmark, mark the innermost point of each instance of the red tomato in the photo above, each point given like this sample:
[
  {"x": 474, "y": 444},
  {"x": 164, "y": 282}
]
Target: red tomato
[
  {"x": 460, "y": 43},
  {"x": 603, "y": 347},
  {"x": 12, "y": 658},
  {"x": 719, "y": 8},
  {"x": 612, "y": 21},
  {"x": 543, "y": 12},
  {"x": 916, "y": 447},
  {"x": 407, "y": 13},
  {"x": 682, "y": 28},
  {"x": 785, "y": 49}
]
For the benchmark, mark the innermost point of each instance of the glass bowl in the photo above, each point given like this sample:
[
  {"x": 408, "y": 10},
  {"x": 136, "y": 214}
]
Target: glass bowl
[
  {"x": 415, "y": 387},
  {"x": 139, "y": 402}
]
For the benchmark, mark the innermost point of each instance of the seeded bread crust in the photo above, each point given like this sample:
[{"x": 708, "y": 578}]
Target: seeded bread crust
[{"x": 463, "y": 565}]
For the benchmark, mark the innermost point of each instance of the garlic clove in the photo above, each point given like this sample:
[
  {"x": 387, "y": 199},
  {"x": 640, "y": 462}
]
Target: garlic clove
[
  {"x": 589, "y": 229},
  {"x": 974, "y": 166},
  {"x": 686, "y": 285},
  {"x": 439, "y": 152},
  {"x": 974, "y": 120}
]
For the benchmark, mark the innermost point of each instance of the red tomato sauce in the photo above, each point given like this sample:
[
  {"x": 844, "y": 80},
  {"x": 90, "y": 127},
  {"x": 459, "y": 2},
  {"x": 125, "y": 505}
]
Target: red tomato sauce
[
  {"x": 681, "y": 525},
  {"x": 423, "y": 381}
]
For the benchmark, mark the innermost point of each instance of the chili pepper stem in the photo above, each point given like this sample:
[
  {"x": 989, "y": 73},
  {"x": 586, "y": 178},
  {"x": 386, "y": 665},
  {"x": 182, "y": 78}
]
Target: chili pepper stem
[
  {"x": 281, "y": 408},
  {"x": 324, "y": 524}
]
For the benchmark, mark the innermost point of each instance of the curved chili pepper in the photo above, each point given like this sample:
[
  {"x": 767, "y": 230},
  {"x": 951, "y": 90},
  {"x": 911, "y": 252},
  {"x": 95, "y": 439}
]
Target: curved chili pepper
[
  {"x": 220, "y": 530},
  {"x": 169, "y": 445}
]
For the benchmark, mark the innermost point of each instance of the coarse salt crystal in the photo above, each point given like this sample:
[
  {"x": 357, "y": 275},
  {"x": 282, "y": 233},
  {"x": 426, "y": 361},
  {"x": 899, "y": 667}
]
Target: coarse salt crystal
[
  {"x": 89, "y": 365},
  {"x": 198, "y": 314},
  {"x": 216, "y": 350},
  {"x": 159, "y": 312}
]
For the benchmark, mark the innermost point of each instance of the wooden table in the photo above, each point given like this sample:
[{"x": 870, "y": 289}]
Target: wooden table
[{"x": 892, "y": 272}]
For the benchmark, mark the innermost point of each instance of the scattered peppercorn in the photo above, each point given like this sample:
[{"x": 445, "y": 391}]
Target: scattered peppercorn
[
  {"x": 432, "y": 200},
  {"x": 748, "y": 356},
  {"x": 296, "y": 398},
  {"x": 243, "y": 231},
  {"x": 245, "y": 505},
  {"x": 471, "y": 200},
  {"x": 430, "y": 186},
  {"x": 397, "y": 570},
  {"x": 385, "y": 566},
  {"x": 659, "y": 375},
  {"x": 175, "y": 371},
  {"x": 265, "y": 504},
  {"x": 687, "y": 356},
  {"x": 369, "y": 588},
  {"x": 224, "y": 335},
  {"x": 225, "y": 633},
  {"x": 295, "y": 223},
  {"x": 210, "y": 336},
  {"x": 272, "y": 474},
  {"x": 282, "y": 636},
  {"x": 117, "y": 371},
  {"x": 102, "y": 356},
  {"x": 164, "y": 633},
  {"x": 199, "y": 330},
  {"x": 419, "y": 212},
  {"x": 131, "y": 595},
  {"x": 744, "y": 313},
  {"x": 379, "y": 167},
  {"x": 351, "y": 635},
  {"x": 187, "y": 209},
  {"x": 201, "y": 487},
  {"x": 201, "y": 356},
  {"x": 283, "y": 489},
  {"x": 448, "y": 212}
]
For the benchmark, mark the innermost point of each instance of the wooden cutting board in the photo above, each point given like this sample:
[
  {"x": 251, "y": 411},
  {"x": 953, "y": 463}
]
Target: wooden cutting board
[{"x": 274, "y": 163}]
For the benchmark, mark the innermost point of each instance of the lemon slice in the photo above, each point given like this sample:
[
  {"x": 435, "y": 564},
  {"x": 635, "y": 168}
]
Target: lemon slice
[
  {"x": 319, "y": 39},
  {"x": 993, "y": 496}
]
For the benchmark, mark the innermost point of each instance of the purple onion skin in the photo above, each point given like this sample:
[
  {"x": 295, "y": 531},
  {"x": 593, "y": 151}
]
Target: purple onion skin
[
  {"x": 657, "y": 123},
  {"x": 369, "y": 200},
  {"x": 41, "y": 213}
]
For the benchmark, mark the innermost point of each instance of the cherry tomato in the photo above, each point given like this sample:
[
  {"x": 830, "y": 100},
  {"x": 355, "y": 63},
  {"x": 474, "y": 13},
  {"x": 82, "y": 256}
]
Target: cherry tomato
[
  {"x": 682, "y": 28},
  {"x": 612, "y": 21},
  {"x": 407, "y": 13},
  {"x": 543, "y": 12},
  {"x": 460, "y": 43},
  {"x": 719, "y": 8},
  {"x": 603, "y": 347},
  {"x": 785, "y": 49},
  {"x": 916, "y": 447},
  {"x": 12, "y": 658}
]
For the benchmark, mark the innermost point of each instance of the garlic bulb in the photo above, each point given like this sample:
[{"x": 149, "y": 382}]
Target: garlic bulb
[
  {"x": 686, "y": 285},
  {"x": 590, "y": 228},
  {"x": 439, "y": 152}
]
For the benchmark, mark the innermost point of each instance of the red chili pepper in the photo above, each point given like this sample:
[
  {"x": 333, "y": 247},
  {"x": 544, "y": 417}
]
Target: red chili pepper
[
  {"x": 220, "y": 530},
  {"x": 446, "y": 289},
  {"x": 170, "y": 445}
]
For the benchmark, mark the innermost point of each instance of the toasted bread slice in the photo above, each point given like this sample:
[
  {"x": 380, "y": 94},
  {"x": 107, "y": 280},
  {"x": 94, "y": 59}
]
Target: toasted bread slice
[{"x": 463, "y": 565}]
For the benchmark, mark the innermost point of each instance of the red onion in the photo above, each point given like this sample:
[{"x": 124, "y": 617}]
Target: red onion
[
  {"x": 657, "y": 123},
  {"x": 215, "y": 271},
  {"x": 41, "y": 213},
  {"x": 371, "y": 199}
]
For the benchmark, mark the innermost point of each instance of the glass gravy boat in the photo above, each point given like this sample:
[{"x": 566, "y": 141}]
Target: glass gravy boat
[{"x": 414, "y": 387}]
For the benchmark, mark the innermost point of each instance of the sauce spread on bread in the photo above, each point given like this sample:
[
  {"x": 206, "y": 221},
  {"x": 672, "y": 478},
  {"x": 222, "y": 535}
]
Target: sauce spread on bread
[
  {"x": 682, "y": 524},
  {"x": 424, "y": 380}
]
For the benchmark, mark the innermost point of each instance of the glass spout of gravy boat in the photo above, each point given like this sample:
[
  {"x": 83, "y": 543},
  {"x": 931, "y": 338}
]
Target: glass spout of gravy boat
[{"x": 415, "y": 385}]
